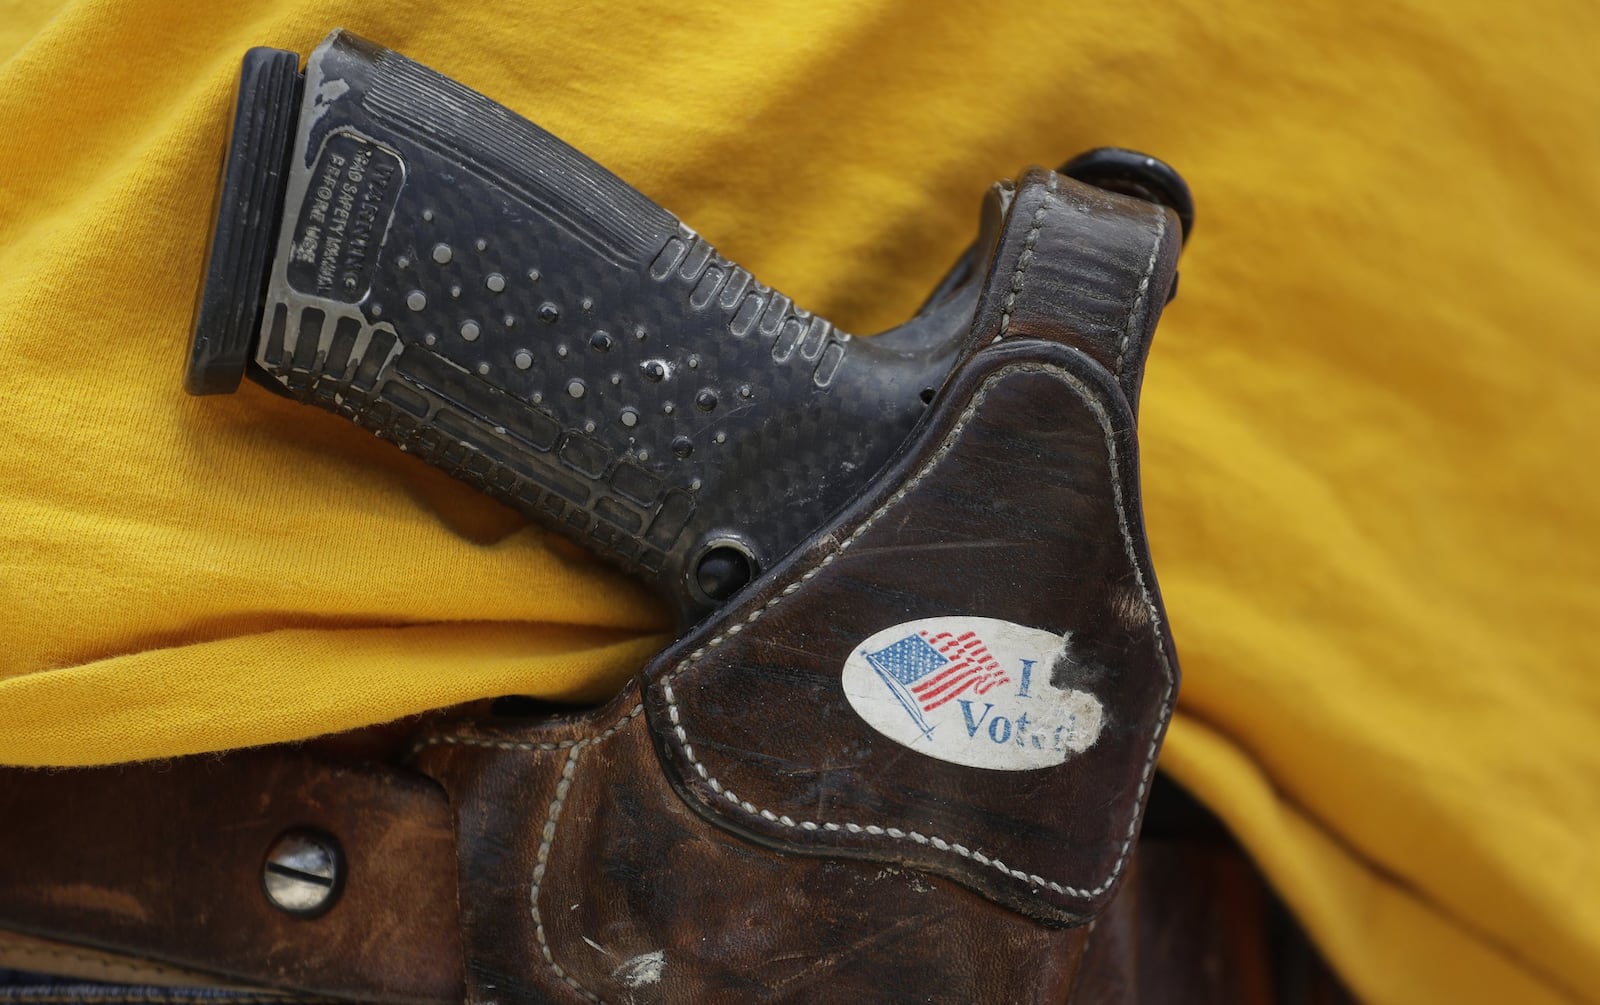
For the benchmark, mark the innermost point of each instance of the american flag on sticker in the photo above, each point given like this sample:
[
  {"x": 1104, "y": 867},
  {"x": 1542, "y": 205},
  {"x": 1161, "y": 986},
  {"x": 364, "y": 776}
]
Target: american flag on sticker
[{"x": 926, "y": 670}]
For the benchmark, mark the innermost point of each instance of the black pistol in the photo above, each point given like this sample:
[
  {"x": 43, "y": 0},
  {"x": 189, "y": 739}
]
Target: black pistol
[{"x": 400, "y": 250}]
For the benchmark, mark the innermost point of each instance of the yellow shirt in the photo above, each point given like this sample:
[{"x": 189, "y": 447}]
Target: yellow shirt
[{"x": 1368, "y": 429}]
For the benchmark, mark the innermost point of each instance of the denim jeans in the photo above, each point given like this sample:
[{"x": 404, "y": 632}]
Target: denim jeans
[{"x": 42, "y": 989}]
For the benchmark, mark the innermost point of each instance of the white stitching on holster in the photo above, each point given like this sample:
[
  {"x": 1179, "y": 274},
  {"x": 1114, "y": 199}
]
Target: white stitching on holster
[
  {"x": 938, "y": 843},
  {"x": 552, "y": 816},
  {"x": 1026, "y": 258},
  {"x": 1134, "y": 316}
]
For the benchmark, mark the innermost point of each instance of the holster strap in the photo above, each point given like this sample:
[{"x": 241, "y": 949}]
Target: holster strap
[{"x": 164, "y": 861}]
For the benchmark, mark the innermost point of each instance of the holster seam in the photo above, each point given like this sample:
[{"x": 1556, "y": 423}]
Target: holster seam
[
  {"x": 547, "y": 839},
  {"x": 1026, "y": 258},
  {"x": 469, "y": 741},
  {"x": 1135, "y": 315}
]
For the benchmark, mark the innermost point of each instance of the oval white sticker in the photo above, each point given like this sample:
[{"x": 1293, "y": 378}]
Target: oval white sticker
[{"x": 973, "y": 691}]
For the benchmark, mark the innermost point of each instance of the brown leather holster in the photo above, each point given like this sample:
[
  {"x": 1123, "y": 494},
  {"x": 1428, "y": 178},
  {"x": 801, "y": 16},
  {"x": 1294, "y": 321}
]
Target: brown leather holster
[{"x": 730, "y": 828}]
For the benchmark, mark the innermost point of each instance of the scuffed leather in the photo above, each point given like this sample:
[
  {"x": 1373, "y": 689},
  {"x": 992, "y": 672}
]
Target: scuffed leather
[
  {"x": 586, "y": 878},
  {"x": 1086, "y": 267},
  {"x": 1026, "y": 473},
  {"x": 1024, "y": 478},
  {"x": 163, "y": 861}
]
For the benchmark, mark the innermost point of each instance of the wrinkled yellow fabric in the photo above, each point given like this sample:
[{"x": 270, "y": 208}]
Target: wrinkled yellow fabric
[{"x": 1368, "y": 426}]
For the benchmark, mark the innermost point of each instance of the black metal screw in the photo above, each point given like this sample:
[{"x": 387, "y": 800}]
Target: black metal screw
[{"x": 723, "y": 570}]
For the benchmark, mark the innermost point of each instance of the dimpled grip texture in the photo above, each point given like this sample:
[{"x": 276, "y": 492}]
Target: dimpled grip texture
[{"x": 461, "y": 282}]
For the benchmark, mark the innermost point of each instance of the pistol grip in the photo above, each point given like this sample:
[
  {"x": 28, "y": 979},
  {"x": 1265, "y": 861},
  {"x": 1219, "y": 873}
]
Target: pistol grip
[{"x": 402, "y": 251}]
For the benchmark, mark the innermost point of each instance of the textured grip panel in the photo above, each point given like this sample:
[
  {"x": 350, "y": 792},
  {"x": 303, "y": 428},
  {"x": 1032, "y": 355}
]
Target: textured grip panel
[
  {"x": 461, "y": 282},
  {"x": 564, "y": 185}
]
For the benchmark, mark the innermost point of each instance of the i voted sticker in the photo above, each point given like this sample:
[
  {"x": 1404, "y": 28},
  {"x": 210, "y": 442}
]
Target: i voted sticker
[{"x": 973, "y": 691}]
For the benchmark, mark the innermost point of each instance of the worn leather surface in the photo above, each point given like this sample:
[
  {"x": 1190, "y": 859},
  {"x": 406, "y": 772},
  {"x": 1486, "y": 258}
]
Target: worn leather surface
[
  {"x": 1086, "y": 267},
  {"x": 1191, "y": 923},
  {"x": 1025, "y": 475},
  {"x": 1028, "y": 476},
  {"x": 586, "y": 878},
  {"x": 163, "y": 861}
]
